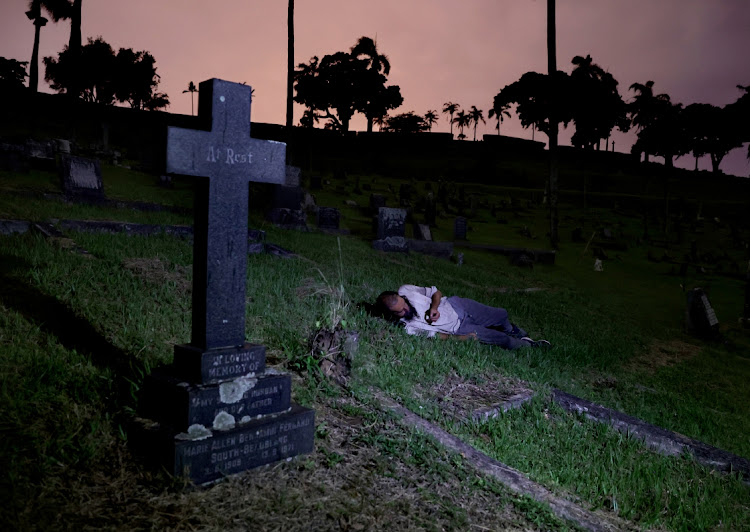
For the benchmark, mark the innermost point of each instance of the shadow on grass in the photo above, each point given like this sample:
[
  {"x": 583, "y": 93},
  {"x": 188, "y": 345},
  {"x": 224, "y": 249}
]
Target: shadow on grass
[{"x": 72, "y": 332}]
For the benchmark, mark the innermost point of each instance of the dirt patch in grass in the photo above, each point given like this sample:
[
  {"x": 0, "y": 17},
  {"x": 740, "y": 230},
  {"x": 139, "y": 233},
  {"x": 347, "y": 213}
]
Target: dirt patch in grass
[
  {"x": 459, "y": 397},
  {"x": 366, "y": 473},
  {"x": 155, "y": 270},
  {"x": 664, "y": 353}
]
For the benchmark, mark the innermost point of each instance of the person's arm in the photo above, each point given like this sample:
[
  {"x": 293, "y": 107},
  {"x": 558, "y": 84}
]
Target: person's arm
[
  {"x": 434, "y": 313},
  {"x": 470, "y": 336}
]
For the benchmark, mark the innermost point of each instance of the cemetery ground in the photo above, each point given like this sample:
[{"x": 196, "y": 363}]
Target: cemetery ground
[{"x": 78, "y": 332}]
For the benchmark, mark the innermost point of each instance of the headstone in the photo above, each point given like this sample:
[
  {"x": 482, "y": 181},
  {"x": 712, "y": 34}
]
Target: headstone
[
  {"x": 598, "y": 267},
  {"x": 63, "y": 146},
  {"x": 293, "y": 175},
  {"x": 288, "y": 218},
  {"x": 460, "y": 259},
  {"x": 459, "y": 228},
  {"x": 376, "y": 202},
  {"x": 328, "y": 218},
  {"x": 81, "y": 177},
  {"x": 700, "y": 317},
  {"x": 391, "y": 230},
  {"x": 222, "y": 411},
  {"x": 422, "y": 232},
  {"x": 286, "y": 210}
]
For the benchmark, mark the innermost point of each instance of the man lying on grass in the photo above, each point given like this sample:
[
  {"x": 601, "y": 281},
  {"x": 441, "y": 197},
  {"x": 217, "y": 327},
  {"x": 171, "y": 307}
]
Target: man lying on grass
[{"x": 424, "y": 311}]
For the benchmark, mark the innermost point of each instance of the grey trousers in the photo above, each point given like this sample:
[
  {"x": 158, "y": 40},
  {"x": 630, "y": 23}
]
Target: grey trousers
[{"x": 476, "y": 318}]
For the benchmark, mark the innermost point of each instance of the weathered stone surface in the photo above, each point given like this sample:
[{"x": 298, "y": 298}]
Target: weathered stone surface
[
  {"x": 422, "y": 232},
  {"x": 203, "y": 366},
  {"x": 293, "y": 174},
  {"x": 328, "y": 218},
  {"x": 391, "y": 223},
  {"x": 81, "y": 177},
  {"x": 226, "y": 158},
  {"x": 181, "y": 404},
  {"x": 9, "y": 227},
  {"x": 460, "y": 227},
  {"x": 392, "y": 243},
  {"x": 700, "y": 316}
]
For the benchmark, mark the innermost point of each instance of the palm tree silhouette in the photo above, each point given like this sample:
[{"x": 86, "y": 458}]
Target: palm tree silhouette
[
  {"x": 646, "y": 107},
  {"x": 462, "y": 120},
  {"x": 290, "y": 69},
  {"x": 367, "y": 49},
  {"x": 192, "y": 89},
  {"x": 499, "y": 111},
  {"x": 381, "y": 121},
  {"x": 449, "y": 108},
  {"x": 430, "y": 117},
  {"x": 475, "y": 115},
  {"x": 58, "y": 10},
  {"x": 552, "y": 134}
]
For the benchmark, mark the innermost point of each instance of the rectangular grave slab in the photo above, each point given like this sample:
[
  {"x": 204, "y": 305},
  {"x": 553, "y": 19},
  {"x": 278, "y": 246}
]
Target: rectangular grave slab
[
  {"x": 203, "y": 366},
  {"x": 249, "y": 445},
  {"x": 81, "y": 177},
  {"x": 224, "y": 158},
  {"x": 329, "y": 218},
  {"x": 180, "y": 404},
  {"x": 391, "y": 244},
  {"x": 391, "y": 223}
]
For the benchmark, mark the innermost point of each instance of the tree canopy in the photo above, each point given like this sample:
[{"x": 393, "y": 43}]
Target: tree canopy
[
  {"x": 12, "y": 74},
  {"x": 406, "y": 123},
  {"x": 344, "y": 83},
  {"x": 105, "y": 77}
]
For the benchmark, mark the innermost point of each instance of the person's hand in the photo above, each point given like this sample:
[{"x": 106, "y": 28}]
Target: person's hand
[{"x": 434, "y": 314}]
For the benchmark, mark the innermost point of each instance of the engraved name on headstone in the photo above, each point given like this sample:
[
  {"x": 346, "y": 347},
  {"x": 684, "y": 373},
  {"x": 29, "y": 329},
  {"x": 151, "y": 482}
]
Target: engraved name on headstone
[{"x": 81, "y": 177}]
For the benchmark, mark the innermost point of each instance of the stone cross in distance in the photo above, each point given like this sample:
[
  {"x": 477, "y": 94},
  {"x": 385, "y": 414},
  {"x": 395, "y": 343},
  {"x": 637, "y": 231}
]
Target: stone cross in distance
[{"x": 226, "y": 156}]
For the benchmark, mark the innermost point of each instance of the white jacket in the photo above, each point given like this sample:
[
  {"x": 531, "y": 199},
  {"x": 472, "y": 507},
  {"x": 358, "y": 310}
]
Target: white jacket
[{"x": 420, "y": 297}]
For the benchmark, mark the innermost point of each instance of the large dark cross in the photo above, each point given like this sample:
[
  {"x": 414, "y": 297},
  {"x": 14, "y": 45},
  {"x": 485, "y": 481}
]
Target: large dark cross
[{"x": 228, "y": 158}]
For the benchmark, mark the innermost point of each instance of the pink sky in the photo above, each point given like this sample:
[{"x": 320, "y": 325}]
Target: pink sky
[{"x": 440, "y": 50}]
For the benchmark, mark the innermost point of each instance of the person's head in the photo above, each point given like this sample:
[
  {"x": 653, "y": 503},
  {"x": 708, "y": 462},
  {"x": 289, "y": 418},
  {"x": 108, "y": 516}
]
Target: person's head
[{"x": 395, "y": 305}]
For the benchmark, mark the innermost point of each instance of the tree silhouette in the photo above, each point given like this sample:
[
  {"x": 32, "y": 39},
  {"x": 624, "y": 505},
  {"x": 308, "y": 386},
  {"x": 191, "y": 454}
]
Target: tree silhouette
[
  {"x": 461, "y": 120},
  {"x": 406, "y": 123},
  {"x": 553, "y": 120},
  {"x": 12, "y": 74},
  {"x": 309, "y": 118},
  {"x": 449, "y": 108},
  {"x": 644, "y": 110},
  {"x": 58, "y": 10},
  {"x": 740, "y": 110},
  {"x": 341, "y": 84},
  {"x": 500, "y": 111},
  {"x": 381, "y": 122},
  {"x": 430, "y": 118},
  {"x": 711, "y": 131},
  {"x": 103, "y": 77},
  {"x": 366, "y": 49},
  {"x": 290, "y": 68},
  {"x": 192, "y": 89},
  {"x": 475, "y": 116},
  {"x": 597, "y": 106}
]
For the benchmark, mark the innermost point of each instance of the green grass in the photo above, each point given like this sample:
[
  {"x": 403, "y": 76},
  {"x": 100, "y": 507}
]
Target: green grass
[{"x": 617, "y": 338}]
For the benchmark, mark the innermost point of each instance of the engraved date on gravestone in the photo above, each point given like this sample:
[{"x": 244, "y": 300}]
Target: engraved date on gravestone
[
  {"x": 251, "y": 445},
  {"x": 228, "y": 156}
]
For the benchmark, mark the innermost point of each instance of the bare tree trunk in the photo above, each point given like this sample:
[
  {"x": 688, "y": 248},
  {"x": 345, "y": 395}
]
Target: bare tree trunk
[
  {"x": 553, "y": 164},
  {"x": 289, "y": 77},
  {"x": 34, "y": 67}
]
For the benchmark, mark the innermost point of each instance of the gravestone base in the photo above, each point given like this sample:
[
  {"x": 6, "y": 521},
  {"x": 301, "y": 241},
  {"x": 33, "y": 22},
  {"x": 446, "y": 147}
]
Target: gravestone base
[
  {"x": 181, "y": 404},
  {"x": 391, "y": 244},
  {"x": 202, "y": 455}
]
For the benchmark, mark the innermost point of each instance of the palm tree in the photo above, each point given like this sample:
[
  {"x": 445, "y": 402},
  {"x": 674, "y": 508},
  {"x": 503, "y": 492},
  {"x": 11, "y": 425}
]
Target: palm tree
[
  {"x": 290, "y": 66},
  {"x": 646, "y": 108},
  {"x": 552, "y": 134},
  {"x": 430, "y": 117},
  {"x": 192, "y": 89},
  {"x": 58, "y": 10},
  {"x": 499, "y": 111},
  {"x": 449, "y": 108},
  {"x": 368, "y": 48},
  {"x": 381, "y": 121},
  {"x": 475, "y": 115},
  {"x": 462, "y": 120}
]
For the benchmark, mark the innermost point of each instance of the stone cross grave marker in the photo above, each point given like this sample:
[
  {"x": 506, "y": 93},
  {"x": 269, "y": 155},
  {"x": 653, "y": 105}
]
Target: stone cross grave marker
[
  {"x": 224, "y": 158},
  {"x": 220, "y": 410}
]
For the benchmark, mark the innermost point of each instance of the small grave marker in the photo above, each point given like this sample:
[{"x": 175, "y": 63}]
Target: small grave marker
[
  {"x": 701, "y": 318},
  {"x": 328, "y": 218},
  {"x": 459, "y": 228},
  {"x": 391, "y": 230},
  {"x": 81, "y": 177}
]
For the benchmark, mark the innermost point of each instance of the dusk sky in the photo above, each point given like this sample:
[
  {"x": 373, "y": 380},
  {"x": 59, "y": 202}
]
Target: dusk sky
[{"x": 697, "y": 51}]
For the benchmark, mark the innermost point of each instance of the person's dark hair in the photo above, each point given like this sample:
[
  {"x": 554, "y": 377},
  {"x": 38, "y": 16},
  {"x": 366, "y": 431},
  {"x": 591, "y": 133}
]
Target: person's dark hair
[{"x": 382, "y": 304}]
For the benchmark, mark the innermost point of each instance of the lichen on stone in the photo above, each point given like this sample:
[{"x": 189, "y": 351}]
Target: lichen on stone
[
  {"x": 224, "y": 421},
  {"x": 232, "y": 391},
  {"x": 195, "y": 432}
]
